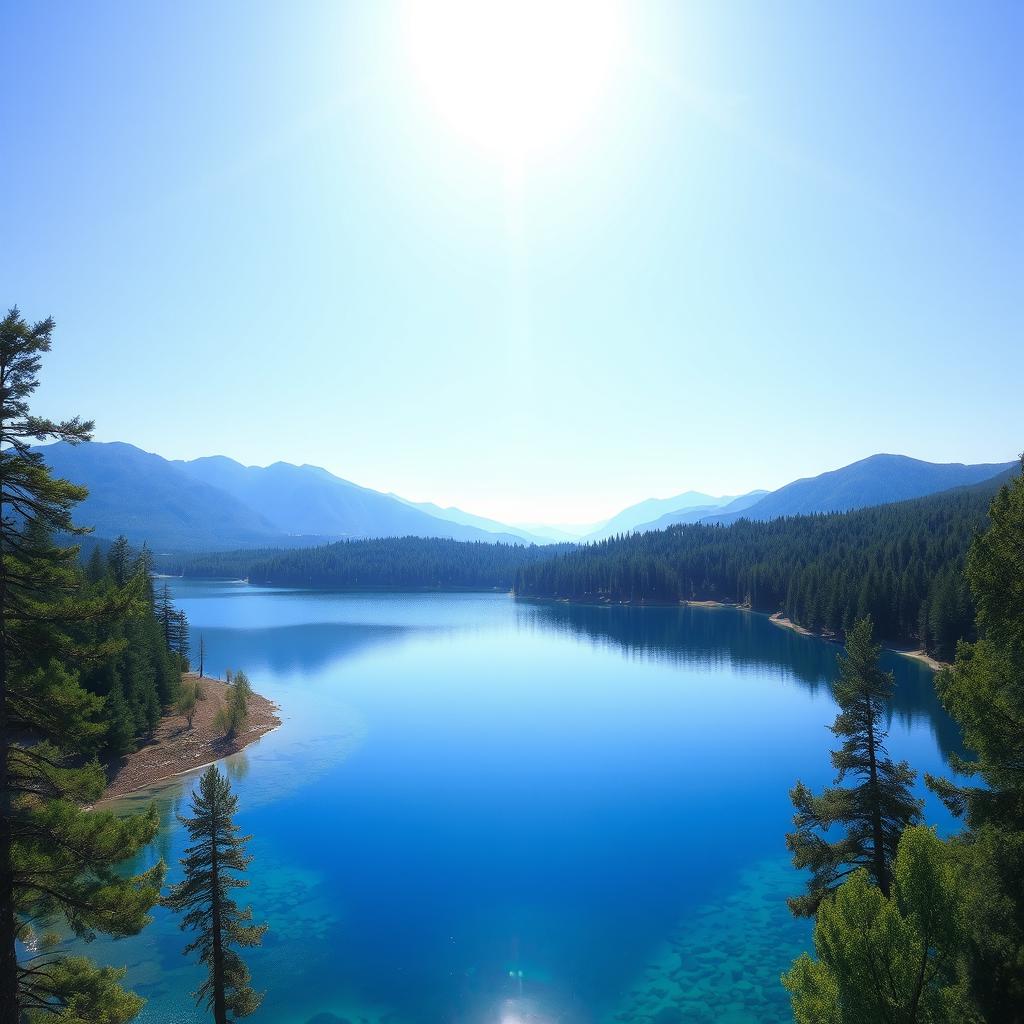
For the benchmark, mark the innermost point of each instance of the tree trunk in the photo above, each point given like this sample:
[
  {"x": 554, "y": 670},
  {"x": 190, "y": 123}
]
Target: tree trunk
[
  {"x": 220, "y": 1013},
  {"x": 9, "y": 1013},
  {"x": 878, "y": 836}
]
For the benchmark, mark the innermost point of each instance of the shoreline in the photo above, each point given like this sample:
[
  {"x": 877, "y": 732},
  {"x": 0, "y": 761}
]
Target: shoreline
[
  {"x": 780, "y": 620},
  {"x": 681, "y": 603},
  {"x": 916, "y": 654},
  {"x": 175, "y": 749}
]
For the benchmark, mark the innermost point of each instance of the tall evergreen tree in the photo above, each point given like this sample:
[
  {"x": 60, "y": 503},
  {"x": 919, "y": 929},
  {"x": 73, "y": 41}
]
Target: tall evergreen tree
[
  {"x": 211, "y": 866},
  {"x": 875, "y": 811},
  {"x": 57, "y": 862},
  {"x": 984, "y": 693},
  {"x": 173, "y": 622}
]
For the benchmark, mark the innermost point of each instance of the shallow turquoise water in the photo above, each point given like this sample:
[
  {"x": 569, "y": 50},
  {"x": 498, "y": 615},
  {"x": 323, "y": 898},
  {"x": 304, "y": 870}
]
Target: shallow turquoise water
[{"x": 484, "y": 810}]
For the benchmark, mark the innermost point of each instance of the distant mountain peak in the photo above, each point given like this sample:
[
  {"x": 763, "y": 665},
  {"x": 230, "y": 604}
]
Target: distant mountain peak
[{"x": 878, "y": 479}]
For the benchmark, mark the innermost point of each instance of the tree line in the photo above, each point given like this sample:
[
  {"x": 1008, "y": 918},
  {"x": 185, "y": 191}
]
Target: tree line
[
  {"x": 387, "y": 563},
  {"x": 900, "y": 564}
]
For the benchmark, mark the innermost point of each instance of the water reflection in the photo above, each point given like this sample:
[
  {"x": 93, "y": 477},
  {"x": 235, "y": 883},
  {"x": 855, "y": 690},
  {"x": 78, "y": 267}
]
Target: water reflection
[
  {"x": 297, "y": 649},
  {"x": 729, "y": 637}
]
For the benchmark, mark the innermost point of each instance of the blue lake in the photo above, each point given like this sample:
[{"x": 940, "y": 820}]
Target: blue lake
[{"x": 483, "y": 810}]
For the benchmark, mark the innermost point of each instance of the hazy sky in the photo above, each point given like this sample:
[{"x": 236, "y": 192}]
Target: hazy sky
[{"x": 540, "y": 275}]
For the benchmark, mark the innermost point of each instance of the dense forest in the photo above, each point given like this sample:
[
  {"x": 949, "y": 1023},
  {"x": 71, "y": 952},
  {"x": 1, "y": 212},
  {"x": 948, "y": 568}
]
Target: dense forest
[
  {"x": 901, "y": 564},
  {"x": 404, "y": 563},
  {"x": 148, "y": 643}
]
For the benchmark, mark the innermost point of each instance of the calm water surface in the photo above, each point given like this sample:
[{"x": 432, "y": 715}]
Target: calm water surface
[{"x": 481, "y": 810}]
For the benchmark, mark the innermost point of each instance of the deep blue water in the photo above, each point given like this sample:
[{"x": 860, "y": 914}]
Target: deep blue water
[{"x": 484, "y": 810}]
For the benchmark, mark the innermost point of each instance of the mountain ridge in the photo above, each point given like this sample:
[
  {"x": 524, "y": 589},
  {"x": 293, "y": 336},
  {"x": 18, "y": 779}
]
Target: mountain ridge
[
  {"x": 216, "y": 503},
  {"x": 879, "y": 479}
]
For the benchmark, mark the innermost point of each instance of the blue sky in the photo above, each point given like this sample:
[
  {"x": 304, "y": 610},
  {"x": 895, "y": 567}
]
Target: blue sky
[{"x": 778, "y": 238}]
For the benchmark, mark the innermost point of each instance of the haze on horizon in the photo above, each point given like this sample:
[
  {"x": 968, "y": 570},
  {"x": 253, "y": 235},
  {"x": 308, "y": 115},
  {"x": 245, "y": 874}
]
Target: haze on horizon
[{"x": 697, "y": 248}]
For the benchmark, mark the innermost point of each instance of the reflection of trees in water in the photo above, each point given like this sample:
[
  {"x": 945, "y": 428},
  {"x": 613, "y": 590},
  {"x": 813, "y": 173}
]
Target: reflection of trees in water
[
  {"x": 715, "y": 637},
  {"x": 237, "y": 766},
  {"x": 288, "y": 649}
]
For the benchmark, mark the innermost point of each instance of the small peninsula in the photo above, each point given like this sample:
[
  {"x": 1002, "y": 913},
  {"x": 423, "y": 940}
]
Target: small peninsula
[{"x": 175, "y": 747}]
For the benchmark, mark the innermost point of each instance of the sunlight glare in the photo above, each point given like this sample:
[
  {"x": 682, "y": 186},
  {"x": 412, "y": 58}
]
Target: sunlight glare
[{"x": 513, "y": 76}]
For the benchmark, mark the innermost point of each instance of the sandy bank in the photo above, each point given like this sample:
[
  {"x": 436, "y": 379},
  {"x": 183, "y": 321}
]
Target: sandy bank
[
  {"x": 780, "y": 620},
  {"x": 920, "y": 655},
  {"x": 175, "y": 748},
  {"x": 907, "y": 652},
  {"x": 715, "y": 604}
]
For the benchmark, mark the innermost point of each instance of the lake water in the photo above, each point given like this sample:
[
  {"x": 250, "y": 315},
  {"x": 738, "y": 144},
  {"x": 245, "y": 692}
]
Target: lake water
[{"x": 485, "y": 811}]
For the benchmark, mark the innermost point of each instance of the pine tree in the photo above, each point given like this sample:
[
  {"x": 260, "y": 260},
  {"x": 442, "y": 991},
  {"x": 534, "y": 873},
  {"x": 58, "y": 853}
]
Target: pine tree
[
  {"x": 984, "y": 693},
  {"x": 890, "y": 960},
  {"x": 57, "y": 862},
  {"x": 174, "y": 625},
  {"x": 211, "y": 866},
  {"x": 165, "y": 614},
  {"x": 875, "y": 812},
  {"x": 95, "y": 569},
  {"x": 119, "y": 558}
]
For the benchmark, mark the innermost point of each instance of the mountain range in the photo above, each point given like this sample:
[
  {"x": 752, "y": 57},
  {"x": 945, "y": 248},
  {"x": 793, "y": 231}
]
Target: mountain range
[
  {"x": 876, "y": 480},
  {"x": 215, "y": 503}
]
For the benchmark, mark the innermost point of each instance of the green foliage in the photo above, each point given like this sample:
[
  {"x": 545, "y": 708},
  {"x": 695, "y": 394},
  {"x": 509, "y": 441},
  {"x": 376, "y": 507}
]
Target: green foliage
[
  {"x": 58, "y": 863},
  {"x": 211, "y": 866},
  {"x": 86, "y": 994},
  {"x": 984, "y": 693},
  {"x": 173, "y": 626},
  {"x": 874, "y": 812},
  {"x": 899, "y": 564},
  {"x": 143, "y": 676},
  {"x": 889, "y": 960},
  {"x": 234, "y": 713}
]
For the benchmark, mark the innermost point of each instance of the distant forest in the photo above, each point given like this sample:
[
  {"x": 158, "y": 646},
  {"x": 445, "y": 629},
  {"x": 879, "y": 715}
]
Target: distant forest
[
  {"x": 404, "y": 563},
  {"x": 902, "y": 564}
]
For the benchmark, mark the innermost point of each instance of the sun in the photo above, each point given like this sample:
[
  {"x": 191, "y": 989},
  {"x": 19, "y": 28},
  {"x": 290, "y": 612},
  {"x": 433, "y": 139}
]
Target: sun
[{"x": 515, "y": 77}]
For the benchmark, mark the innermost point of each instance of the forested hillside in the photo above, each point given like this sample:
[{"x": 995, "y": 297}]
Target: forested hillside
[
  {"x": 902, "y": 564},
  {"x": 412, "y": 563}
]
